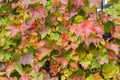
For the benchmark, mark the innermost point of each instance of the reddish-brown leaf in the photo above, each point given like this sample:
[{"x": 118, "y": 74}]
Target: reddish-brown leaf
[
  {"x": 27, "y": 59},
  {"x": 44, "y": 52},
  {"x": 61, "y": 60},
  {"x": 9, "y": 69}
]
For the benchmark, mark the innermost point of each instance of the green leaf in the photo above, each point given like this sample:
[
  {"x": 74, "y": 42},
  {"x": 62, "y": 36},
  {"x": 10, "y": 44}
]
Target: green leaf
[
  {"x": 95, "y": 64},
  {"x": 19, "y": 68},
  {"x": 7, "y": 56},
  {"x": 49, "y": 4},
  {"x": 78, "y": 19},
  {"x": 80, "y": 73},
  {"x": 2, "y": 41},
  {"x": 41, "y": 77},
  {"x": 91, "y": 77},
  {"x": 85, "y": 62},
  {"x": 44, "y": 35},
  {"x": 61, "y": 29},
  {"x": 107, "y": 26},
  {"x": 109, "y": 71},
  {"x": 54, "y": 36},
  {"x": 8, "y": 43}
]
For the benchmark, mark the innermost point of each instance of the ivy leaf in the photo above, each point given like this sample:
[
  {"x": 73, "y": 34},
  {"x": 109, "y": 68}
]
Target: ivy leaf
[
  {"x": 109, "y": 71},
  {"x": 7, "y": 56},
  {"x": 91, "y": 77},
  {"x": 64, "y": 1},
  {"x": 43, "y": 52},
  {"x": 18, "y": 68},
  {"x": 27, "y": 59},
  {"x": 61, "y": 60},
  {"x": 9, "y": 69},
  {"x": 2, "y": 67},
  {"x": 78, "y": 3},
  {"x": 78, "y": 19},
  {"x": 13, "y": 29},
  {"x": 107, "y": 26},
  {"x": 97, "y": 76},
  {"x": 85, "y": 63},
  {"x": 95, "y": 64},
  {"x": 44, "y": 31},
  {"x": 2, "y": 41},
  {"x": 87, "y": 28},
  {"x": 40, "y": 44},
  {"x": 40, "y": 12},
  {"x": 49, "y": 4},
  {"x": 113, "y": 47},
  {"x": 46, "y": 75},
  {"x": 116, "y": 32},
  {"x": 102, "y": 59},
  {"x": 54, "y": 36},
  {"x": 96, "y": 3}
]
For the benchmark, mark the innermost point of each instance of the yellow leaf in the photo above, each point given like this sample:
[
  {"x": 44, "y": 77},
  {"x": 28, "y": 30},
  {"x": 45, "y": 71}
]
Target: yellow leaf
[
  {"x": 90, "y": 56},
  {"x": 102, "y": 42},
  {"x": 99, "y": 46},
  {"x": 2, "y": 73}
]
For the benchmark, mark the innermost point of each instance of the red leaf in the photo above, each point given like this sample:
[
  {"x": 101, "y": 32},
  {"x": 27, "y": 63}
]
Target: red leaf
[
  {"x": 64, "y": 1},
  {"x": 13, "y": 29},
  {"x": 57, "y": 2},
  {"x": 46, "y": 75},
  {"x": 116, "y": 32},
  {"x": 103, "y": 16},
  {"x": 54, "y": 68},
  {"x": 25, "y": 77},
  {"x": 94, "y": 40},
  {"x": 37, "y": 13},
  {"x": 113, "y": 47},
  {"x": 36, "y": 67},
  {"x": 23, "y": 28},
  {"x": 87, "y": 28},
  {"x": 64, "y": 36},
  {"x": 111, "y": 54},
  {"x": 40, "y": 44},
  {"x": 33, "y": 26},
  {"x": 63, "y": 9},
  {"x": 99, "y": 29},
  {"x": 73, "y": 28},
  {"x": 78, "y": 3},
  {"x": 9, "y": 69},
  {"x": 74, "y": 65}
]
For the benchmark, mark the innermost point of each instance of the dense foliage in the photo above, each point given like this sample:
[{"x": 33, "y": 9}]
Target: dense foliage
[{"x": 59, "y": 40}]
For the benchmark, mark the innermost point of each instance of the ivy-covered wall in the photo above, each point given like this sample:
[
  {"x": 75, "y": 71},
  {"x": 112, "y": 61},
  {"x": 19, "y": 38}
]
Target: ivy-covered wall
[{"x": 59, "y": 40}]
